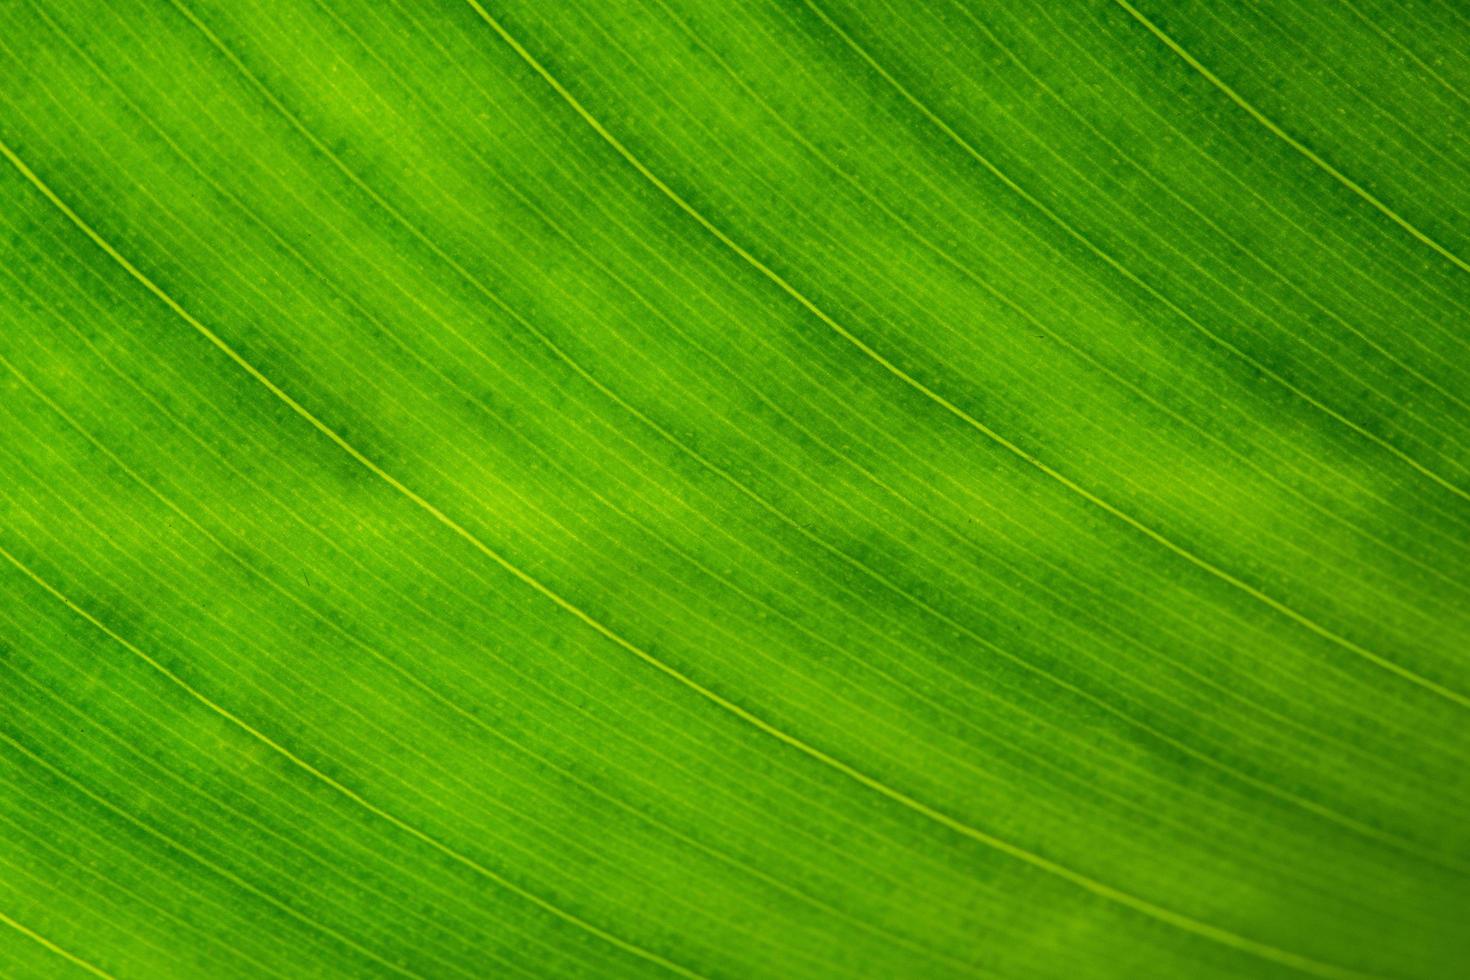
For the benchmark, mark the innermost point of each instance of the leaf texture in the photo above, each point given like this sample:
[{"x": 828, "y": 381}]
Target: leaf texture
[{"x": 814, "y": 488}]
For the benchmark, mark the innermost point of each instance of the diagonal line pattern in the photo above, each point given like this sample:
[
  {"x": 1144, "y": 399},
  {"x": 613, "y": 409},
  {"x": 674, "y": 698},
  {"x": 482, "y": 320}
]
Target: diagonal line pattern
[
  {"x": 892, "y": 368},
  {"x": 1105, "y": 891}
]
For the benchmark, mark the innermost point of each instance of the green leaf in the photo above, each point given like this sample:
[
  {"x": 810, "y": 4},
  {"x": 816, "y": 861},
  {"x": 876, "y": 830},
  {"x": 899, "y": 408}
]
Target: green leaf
[{"x": 810, "y": 488}]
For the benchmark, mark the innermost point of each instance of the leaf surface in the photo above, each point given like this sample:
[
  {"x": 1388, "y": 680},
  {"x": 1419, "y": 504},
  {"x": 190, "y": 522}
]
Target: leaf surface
[{"x": 805, "y": 489}]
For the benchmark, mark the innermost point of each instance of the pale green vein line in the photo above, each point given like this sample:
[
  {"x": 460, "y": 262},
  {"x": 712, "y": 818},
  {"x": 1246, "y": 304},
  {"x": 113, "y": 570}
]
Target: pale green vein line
[
  {"x": 955, "y": 410},
  {"x": 1143, "y": 906},
  {"x": 73, "y": 958},
  {"x": 1290, "y": 140}
]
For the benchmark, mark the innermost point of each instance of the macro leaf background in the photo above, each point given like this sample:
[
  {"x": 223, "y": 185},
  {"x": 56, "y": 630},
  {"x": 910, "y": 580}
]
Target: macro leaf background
[{"x": 812, "y": 488}]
